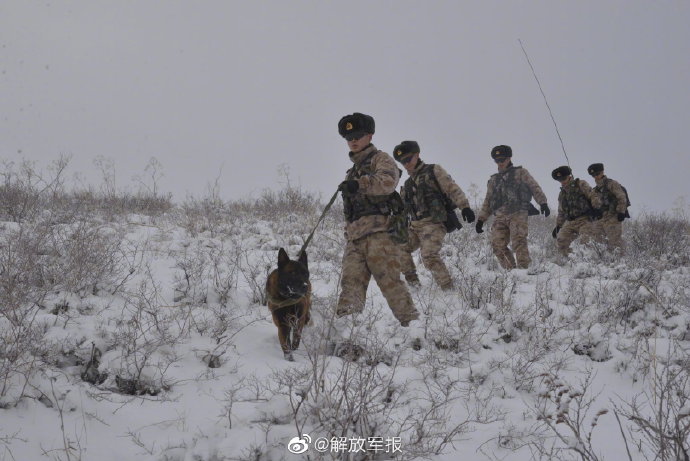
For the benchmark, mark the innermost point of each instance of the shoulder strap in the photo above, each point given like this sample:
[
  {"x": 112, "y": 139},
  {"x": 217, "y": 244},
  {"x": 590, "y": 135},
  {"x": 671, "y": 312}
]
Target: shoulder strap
[
  {"x": 446, "y": 200},
  {"x": 358, "y": 166},
  {"x": 433, "y": 176}
]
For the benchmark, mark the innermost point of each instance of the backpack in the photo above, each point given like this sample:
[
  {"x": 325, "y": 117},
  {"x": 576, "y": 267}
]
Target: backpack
[{"x": 627, "y": 201}]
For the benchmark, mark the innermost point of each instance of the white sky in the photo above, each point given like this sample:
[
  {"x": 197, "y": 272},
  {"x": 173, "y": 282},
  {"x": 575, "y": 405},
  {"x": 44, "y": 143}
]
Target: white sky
[{"x": 233, "y": 89}]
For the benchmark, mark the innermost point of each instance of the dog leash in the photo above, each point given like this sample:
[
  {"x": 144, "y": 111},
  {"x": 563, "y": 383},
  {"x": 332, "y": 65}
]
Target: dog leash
[{"x": 325, "y": 210}]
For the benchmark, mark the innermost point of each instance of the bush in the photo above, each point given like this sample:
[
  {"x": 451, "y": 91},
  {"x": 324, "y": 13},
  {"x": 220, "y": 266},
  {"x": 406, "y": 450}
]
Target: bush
[{"x": 660, "y": 237}]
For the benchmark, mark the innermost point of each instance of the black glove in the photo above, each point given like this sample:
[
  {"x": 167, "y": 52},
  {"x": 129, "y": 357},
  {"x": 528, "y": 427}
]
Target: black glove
[
  {"x": 479, "y": 226},
  {"x": 554, "y": 233},
  {"x": 597, "y": 213},
  {"x": 467, "y": 214},
  {"x": 621, "y": 217},
  {"x": 350, "y": 186},
  {"x": 545, "y": 210}
]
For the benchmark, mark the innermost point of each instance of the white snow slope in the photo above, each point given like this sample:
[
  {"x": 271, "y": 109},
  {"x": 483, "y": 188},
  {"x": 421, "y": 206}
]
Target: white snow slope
[{"x": 528, "y": 364}]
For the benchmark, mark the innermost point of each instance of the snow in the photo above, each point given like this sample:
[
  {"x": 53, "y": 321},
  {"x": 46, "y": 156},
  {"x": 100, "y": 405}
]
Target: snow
[{"x": 495, "y": 352}]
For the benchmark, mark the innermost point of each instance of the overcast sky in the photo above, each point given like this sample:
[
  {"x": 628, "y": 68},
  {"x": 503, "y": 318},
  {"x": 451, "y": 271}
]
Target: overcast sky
[{"x": 233, "y": 89}]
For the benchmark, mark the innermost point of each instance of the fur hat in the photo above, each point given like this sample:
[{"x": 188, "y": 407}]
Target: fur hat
[
  {"x": 501, "y": 152},
  {"x": 355, "y": 125},
  {"x": 595, "y": 168},
  {"x": 561, "y": 172},
  {"x": 405, "y": 148}
]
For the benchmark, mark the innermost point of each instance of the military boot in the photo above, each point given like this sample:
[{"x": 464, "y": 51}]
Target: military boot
[{"x": 447, "y": 286}]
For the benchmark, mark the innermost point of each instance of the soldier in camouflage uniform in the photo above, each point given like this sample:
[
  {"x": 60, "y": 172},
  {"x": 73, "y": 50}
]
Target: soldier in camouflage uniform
[
  {"x": 578, "y": 206},
  {"x": 367, "y": 193},
  {"x": 614, "y": 202},
  {"x": 508, "y": 197},
  {"x": 424, "y": 195}
]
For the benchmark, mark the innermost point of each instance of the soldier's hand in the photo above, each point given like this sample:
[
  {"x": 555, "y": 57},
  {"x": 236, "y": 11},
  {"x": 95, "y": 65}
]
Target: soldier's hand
[
  {"x": 621, "y": 217},
  {"x": 597, "y": 213},
  {"x": 545, "y": 210},
  {"x": 467, "y": 214},
  {"x": 479, "y": 226},
  {"x": 350, "y": 186},
  {"x": 555, "y": 231}
]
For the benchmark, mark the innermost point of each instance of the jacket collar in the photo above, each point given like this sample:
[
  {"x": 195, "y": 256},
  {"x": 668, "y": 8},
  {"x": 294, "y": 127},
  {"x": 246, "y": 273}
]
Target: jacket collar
[
  {"x": 358, "y": 157},
  {"x": 418, "y": 168}
]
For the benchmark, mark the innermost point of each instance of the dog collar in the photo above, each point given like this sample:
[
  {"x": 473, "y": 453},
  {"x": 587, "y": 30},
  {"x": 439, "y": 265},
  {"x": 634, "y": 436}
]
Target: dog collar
[{"x": 279, "y": 303}]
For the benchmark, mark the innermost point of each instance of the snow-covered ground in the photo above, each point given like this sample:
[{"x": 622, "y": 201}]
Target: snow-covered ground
[{"x": 185, "y": 363}]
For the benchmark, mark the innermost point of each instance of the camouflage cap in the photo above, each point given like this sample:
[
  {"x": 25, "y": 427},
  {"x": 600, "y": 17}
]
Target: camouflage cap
[
  {"x": 561, "y": 173},
  {"x": 355, "y": 124},
  {"x": 595, "y": 168},
  {"x": 405, "y": 148},
  {"x": 501, "y": 152}
]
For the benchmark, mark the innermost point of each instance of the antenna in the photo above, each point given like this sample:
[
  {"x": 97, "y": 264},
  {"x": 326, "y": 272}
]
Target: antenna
[{"x": 545, "y": 101}]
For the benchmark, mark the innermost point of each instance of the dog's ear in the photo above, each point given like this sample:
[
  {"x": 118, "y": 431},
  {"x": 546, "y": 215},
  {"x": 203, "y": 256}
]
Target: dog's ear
[
  {"x": 303, "y": 259},
  {"x": 283, "y": 258}
]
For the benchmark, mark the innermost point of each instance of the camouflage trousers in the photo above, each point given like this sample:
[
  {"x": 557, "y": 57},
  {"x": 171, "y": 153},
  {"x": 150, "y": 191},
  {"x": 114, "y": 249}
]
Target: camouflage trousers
[
  {"x": 428, "y": 238},
  {"x": 374, "y": 254},
  {"x": 510, "y": 228},
  {"x": 579, "y": 227},
  {"x": 610, "y": 231}
]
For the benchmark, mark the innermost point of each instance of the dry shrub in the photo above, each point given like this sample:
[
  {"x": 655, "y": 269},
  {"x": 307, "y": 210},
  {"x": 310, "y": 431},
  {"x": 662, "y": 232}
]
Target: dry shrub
[{"x": 658, "y": 238}]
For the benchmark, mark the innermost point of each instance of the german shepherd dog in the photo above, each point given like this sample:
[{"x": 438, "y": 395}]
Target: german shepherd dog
[{"x": 288, "y": 292}]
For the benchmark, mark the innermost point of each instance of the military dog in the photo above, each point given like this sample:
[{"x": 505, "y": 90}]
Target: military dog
[{"x": 288, "y": 293}]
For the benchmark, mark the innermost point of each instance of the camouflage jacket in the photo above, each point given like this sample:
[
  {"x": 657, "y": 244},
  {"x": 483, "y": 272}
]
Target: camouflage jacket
[
  {"x": 424, "y": 190},
  {"x": 576, "y": 199},
  {"x": 378, "y": 176},
  {"x": 510, "y": 191},
  {"x": 612, "y": 195}
]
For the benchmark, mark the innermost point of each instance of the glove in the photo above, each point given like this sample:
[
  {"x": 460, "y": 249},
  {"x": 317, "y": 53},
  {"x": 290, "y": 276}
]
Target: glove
[
  {"x": 479, "y": 226},
  {"x": 597, "y": 213},
  {"x": 467, "y": 214},
  {"x": 554, "y": 233},
  {"x": 621, "y": 217},
  {"x": 545, "y": 210},
  {"x": 350, "y": 186}
]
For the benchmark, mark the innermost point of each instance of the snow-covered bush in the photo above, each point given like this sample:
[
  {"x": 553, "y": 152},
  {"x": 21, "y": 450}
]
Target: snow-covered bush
[{"x": 661, "y": 239}]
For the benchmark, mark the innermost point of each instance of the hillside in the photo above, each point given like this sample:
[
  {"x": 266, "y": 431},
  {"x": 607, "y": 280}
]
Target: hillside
[{"x": 134, "y": 328}]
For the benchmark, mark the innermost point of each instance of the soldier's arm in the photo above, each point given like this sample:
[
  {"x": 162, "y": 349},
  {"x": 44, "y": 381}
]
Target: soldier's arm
[
  {"x": 593, "y": 197},
  {"x": 596, "y": 198},
  {"x": 534, "y": 187},
  {"x": 485, "y": 212},
  {"x": 384, "y": 178},
  {"x": 617, "y": 191},
  {"x": 450, "y": 188}
]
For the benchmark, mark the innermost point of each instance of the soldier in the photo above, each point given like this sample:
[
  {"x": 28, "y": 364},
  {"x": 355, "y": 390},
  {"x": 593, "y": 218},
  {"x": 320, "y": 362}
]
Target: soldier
[
  {"x": 508, "y": 196},
  {"x": 578, "y": 205},
  {"x": 424, "y": 195},
  {"x": 367, "y": 192},
  {"x": 614, "y": 202}
]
